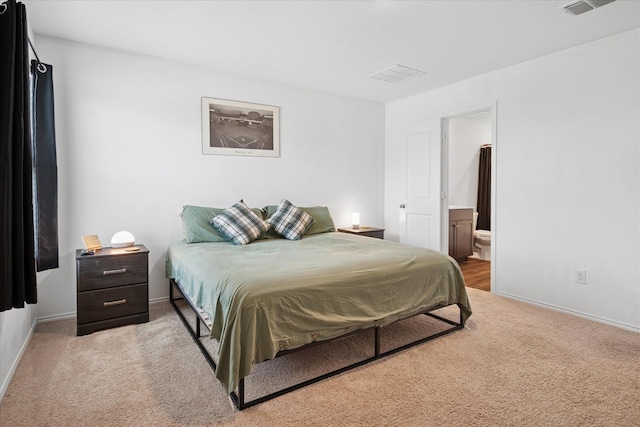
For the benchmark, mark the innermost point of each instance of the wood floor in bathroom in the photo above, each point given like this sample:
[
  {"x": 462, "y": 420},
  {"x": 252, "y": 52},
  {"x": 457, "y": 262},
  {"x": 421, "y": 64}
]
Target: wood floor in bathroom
[{"x": 477, "y": 273}]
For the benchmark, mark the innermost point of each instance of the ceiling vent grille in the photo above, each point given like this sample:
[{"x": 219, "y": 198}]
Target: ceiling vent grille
[
  {"x": 397, "y": 73},
  {"x": 582, "y": 6}
]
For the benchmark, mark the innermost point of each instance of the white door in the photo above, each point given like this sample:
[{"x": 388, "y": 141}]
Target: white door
[{"x": 420, "y": 209}]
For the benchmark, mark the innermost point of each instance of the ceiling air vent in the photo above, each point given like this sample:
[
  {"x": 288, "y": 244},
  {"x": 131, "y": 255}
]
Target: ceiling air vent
[
  {"x": 582, "y": 6},
  {"x": 395, "y": 74}
]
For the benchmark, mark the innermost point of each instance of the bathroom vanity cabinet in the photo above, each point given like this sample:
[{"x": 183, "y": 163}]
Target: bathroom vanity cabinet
[{"x": 460, "y": 233}]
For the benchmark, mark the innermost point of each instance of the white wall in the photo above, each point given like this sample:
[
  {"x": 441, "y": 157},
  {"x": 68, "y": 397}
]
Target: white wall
[
  {"x": 466, "y": 135},
  {"x": 568, "y": 181},
  {"x": 129, "y": 154},
  {"x": 15, "y": 330}
]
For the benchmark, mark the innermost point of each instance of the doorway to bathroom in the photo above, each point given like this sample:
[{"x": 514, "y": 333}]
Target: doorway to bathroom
[{"x": 469, "y": 193}]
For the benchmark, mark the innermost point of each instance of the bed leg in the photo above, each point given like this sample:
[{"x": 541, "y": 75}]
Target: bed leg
[
  {"x": 241, "y": 394},
  {"x": 377, "y": 341},
  {"x": 197, "y": 327},
  {"x": 461, "y": 319}
]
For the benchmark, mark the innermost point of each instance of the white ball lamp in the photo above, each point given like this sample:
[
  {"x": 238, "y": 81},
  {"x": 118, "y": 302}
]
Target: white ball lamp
[{"x": 122, "y": 239}]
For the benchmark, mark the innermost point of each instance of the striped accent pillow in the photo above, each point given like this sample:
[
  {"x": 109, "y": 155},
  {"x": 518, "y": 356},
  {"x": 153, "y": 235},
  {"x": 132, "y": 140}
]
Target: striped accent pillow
[
  {"x": 290, "y": 222},
  {"x": 239, "y": 224}
]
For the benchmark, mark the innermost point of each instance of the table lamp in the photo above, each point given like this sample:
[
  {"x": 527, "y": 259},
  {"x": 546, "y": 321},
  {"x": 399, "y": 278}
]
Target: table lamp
[
  {"x": 122, "y": 239},
  {"x": 355, "y": 220}
]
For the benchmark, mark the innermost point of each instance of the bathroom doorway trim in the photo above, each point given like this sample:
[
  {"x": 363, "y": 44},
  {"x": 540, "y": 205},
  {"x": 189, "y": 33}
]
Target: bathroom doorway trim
[{"x": 444, "y": 214}]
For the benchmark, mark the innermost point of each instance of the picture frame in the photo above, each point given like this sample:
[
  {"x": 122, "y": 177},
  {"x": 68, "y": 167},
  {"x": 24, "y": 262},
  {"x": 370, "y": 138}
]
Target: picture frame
[{"x": 236, "y": 128}]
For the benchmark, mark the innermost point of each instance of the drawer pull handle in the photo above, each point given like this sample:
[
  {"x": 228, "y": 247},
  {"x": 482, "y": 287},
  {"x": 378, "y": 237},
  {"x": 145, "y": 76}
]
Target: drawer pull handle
[
  {"x": 118, "y": 271},
  {"x": 116, "y": 302}
]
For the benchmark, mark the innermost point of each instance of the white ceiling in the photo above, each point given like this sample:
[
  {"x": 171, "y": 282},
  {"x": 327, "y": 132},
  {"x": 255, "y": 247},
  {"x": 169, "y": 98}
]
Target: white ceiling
[{"x": 335, "y": 45}]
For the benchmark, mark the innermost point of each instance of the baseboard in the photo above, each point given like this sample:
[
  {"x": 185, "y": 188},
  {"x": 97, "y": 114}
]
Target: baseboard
[
  {"x": 16, "y": 362},
  {"x": 44, "y": 319},
  {"x": 598, "y": 319}
]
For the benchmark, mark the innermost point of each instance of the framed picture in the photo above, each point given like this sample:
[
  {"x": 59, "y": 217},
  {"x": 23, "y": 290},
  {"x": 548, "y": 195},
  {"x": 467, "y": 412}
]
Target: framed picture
[{"x": 235, "y": 128}]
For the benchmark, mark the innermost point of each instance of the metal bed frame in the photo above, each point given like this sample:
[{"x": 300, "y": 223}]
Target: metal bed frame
[{"x": 239, "y": 397}]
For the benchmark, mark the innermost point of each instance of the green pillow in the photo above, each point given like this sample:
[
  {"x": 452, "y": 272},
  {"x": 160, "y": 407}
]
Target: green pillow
[
  {"x": 323, "y": 224},
  {"x": 196, "y": 226},
  {"x": 195, "y": 223}
]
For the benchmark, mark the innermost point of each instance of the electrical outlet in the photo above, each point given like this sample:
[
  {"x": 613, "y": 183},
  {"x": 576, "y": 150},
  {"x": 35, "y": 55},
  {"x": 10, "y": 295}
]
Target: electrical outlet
[{"x": 581, "y": 277}]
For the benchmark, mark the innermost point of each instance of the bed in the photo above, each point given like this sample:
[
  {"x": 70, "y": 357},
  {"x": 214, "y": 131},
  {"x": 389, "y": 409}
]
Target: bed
[{"x": 277, "y": 295}]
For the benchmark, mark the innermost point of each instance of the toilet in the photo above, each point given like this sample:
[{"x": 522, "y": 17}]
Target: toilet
[{"x": 481, "y": 241}]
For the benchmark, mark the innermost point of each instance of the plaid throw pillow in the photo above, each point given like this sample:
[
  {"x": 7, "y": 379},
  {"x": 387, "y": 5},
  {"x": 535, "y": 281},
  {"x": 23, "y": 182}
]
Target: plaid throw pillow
[
  {"x": 239, "y": 224},
  {"x": 290, "y": 222}
]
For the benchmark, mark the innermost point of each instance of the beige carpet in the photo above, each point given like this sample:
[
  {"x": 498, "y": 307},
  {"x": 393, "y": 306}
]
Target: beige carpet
[{"x": 515, "y": 365}]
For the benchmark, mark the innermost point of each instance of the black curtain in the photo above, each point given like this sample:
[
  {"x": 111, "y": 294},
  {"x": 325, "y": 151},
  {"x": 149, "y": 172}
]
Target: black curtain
[
  {"x": 484, "y": 190},
  {"x": 45, "y": 167},
  {"x": 17, "y": 260}
]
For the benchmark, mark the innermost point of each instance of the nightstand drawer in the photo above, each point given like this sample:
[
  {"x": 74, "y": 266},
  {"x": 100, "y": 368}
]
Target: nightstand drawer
[
  {"x": 107, "y": 272},
  {"x": 110, "y": 303}
]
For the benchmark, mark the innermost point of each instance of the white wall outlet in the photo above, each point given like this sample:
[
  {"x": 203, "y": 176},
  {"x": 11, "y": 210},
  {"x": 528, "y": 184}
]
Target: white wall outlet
[{"x": 581, "y": 277}]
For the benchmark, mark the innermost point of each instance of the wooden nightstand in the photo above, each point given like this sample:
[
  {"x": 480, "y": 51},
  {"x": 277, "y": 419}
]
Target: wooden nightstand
[
  {"x": 377, "y": 233},
  {"x": 112, "y": 288}
]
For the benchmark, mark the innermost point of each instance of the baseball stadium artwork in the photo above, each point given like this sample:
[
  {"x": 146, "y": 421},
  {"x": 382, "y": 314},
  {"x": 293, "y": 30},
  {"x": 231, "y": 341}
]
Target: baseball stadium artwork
[{"x": 235, "y": 128}]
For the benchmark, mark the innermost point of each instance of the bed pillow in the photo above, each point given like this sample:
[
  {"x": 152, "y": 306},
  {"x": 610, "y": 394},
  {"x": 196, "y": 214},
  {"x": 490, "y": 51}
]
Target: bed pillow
[
  {"x": 289, "y": 221},
  {"x": 196, "y": 226},
  {"x": 240, "y": 224},
  {"x": 323, "y": 221}
]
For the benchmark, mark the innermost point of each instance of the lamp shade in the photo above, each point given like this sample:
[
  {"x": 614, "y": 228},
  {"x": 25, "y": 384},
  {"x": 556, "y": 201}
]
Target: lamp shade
[
  {"x": 122, "y": 239},
  {"x": 355, "y": 220}
]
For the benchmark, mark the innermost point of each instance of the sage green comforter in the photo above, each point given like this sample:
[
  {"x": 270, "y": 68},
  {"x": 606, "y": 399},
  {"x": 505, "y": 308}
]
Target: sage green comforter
[{"x": 278, "y": 294}]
